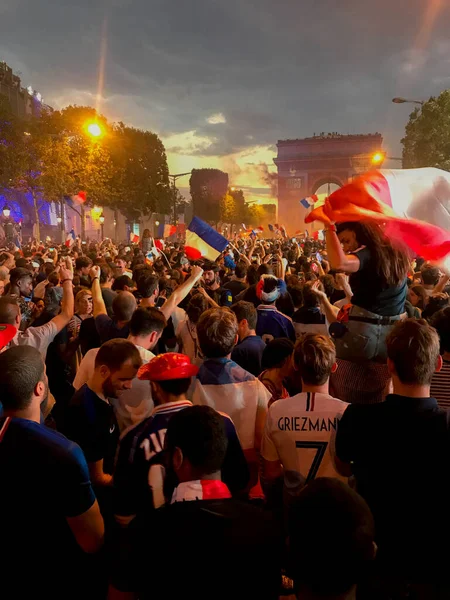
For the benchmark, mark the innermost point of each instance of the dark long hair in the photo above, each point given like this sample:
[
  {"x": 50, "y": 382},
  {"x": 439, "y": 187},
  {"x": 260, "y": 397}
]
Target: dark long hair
[{"x": 390, "y": 263}]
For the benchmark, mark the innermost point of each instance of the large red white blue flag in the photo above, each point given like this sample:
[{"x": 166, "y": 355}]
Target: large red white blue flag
[
  {"x": 203, "y": 241},
  {"x": 414, "y": 204}
]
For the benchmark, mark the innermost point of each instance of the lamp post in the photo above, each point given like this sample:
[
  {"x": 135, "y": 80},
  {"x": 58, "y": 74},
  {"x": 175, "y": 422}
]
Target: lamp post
[
  {"x": 6, "y": 211},
  {"x": 102, "y": 225},
  {"x": 174, "y": 191},
  {"x": 406, "y": 101}
]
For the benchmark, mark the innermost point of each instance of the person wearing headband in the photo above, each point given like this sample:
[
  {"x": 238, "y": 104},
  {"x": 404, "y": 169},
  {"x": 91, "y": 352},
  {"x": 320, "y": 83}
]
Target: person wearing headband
[{"x": 272, "y": 323}]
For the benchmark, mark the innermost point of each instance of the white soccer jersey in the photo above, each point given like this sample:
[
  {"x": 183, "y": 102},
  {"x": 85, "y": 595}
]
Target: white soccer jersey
[{"x": 300, "y": 432}]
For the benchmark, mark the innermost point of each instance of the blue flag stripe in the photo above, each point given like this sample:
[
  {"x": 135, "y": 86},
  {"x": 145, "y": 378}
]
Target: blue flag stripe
[{"x": 208, "y": 234}]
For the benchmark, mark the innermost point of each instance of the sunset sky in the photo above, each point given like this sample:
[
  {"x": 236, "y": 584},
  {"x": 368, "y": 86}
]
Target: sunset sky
[{"x": 221, "y": 81}]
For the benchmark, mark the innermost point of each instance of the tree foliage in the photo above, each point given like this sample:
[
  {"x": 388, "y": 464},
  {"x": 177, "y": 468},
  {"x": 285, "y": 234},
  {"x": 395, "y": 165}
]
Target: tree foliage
[
  {"x": 140, "y": 176},
  {"x": 208, "y": 189},
  {"x": 54, "y": 156},
  {"x": 427, "y": 136}
]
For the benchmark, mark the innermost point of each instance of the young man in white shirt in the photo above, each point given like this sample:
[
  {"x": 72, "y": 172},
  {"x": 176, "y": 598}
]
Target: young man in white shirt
[{"x": 300, "y": 430}]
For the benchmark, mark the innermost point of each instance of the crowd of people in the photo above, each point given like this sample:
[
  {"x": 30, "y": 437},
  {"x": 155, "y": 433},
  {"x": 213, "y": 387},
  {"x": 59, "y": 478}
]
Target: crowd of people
[{"x": 271, "y": 424}]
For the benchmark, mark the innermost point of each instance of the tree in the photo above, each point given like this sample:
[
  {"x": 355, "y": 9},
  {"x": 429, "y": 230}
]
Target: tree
[
  {"x": 427, "y": 136},
  {"x": 37, "y": 162},
  {"x": 140, "y": 175},
  {"x": 208, "y": 188}
]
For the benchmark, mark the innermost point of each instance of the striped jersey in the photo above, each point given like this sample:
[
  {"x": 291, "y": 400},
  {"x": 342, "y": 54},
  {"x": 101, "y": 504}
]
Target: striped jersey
[
  {"x": 142, "y": 447},
  {"x": 440, "y": 386},
  {"x": 300, "y": 432}
]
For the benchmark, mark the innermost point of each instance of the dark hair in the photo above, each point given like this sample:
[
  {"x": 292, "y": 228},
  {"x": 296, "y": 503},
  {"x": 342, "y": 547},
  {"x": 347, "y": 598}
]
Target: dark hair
[
  {"x": 421, "y": 292},
  {"x": 9, "y": 309},
  {"x": 176, "y": 387},
  {"x": 276, "y": 352},
  {"x": 329, "y": 514},
  {"x": 19, "y": 273},
  {"x": 441, "y": 322},
  {"x": 199, "y": 432},
  {"x": 264, "y": 269},
  {"x": 413, "y": 348},
  {"x": 241, "y": 270},
  {"x": 328, "y": 284},
  {"x": 296, "y": 292},
  {"x": 430, "y": 275},
  {"x": 314, "y": 357},
  {"x": 390, "y": 264},
  {"x": 82, "y": 262},
  {"x": 147, "y": 320},
  {"x": 21, "y": 369},
  {"x": 310, "y": 300},
  {"x": 114, "y": 353},
  {"x": 147, "y": 283},
  {"x": 22, "y": 263},
  {"x": 120, "y": 283},
  {"x": 252, "y": 275},
  {"x": 217, "y": 331},
  {"x": 146, "y": 233},
  {"x": 105, "y": 272},
  {"x": 198, "y": 304},
  {"x": 124, "y": 305},
  {"x": 247, "y": 311},
  {"x": 435, "y": 303},
  {"x": 210, "y": 266}
]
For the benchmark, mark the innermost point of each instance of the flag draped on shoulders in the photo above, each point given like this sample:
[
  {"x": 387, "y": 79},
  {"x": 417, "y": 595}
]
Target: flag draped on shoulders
[{"x": 414, "y": 204}]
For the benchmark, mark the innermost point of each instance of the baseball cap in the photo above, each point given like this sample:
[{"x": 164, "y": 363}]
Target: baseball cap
[
  {"x": 164, "y": 367},
  {"x": 7, "y": 332}
]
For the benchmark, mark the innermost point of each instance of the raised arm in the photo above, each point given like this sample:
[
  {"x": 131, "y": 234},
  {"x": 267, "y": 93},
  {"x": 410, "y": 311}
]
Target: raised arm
[
  {"x": 330, "y": 311},
  {"x": 181, "y": 292},
  {"x": 97, "y": 298},
  {"x": 349, "y": 263},
  {"x": 67, "y": 304}
]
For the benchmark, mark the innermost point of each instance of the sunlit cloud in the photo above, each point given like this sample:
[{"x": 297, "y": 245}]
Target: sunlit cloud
[
  {"x": 216, "y": 119},
  {"x": 187, "y": 142}
]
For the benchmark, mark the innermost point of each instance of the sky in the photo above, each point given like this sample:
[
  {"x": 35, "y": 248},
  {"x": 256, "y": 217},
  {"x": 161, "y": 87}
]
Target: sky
[{"x": 222, "y": 80}]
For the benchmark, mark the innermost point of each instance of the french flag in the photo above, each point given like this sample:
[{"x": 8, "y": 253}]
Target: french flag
[
  {"x": 414, "y": 204},
  {"x": 70, "y": 239},
  {"x": 134, "y": 239},
  {"x": 308, "y": 202},
  {"x": 203, "y": 241}
]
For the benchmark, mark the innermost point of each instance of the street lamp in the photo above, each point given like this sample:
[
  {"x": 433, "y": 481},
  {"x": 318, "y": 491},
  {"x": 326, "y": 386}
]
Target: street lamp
[
  {"x": 102, "y": 224},
  {"x": 59, "y": 220},
  {"x": 405, "y": 101},
  {"x": 6, "y": 211},
  {"x": 94, "y": 129},
  {"x": 156, "y": 223},
  {"x": 378, "y": 158}
]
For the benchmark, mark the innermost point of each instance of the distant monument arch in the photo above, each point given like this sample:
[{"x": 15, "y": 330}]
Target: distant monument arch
[{"x": 306, "y": 165}]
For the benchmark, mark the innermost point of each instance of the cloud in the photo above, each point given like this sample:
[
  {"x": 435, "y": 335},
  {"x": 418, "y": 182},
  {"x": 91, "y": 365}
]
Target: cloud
[
  {"x": 221, "y": 82},
  {"x": 187, "y": 142},
  {"x": 216, "y": 119}
]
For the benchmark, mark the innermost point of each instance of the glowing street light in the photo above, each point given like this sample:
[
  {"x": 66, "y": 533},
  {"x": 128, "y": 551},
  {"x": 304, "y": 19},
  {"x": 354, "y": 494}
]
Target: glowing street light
[
  {"x": 94, "y": 129},
  {"x": 233, "y": 189},
  {"x": 59, "y": 220},
  {"x": 101, "y": 219},
  {"x": 156, "y": 223},
  {"x": 6, "y": 211},
  {"x": 378, "y": 158}
]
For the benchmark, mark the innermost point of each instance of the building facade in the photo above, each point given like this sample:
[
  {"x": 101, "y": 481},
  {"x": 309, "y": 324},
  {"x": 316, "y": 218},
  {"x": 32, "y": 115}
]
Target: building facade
[{"x": 305, "y": 165}]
